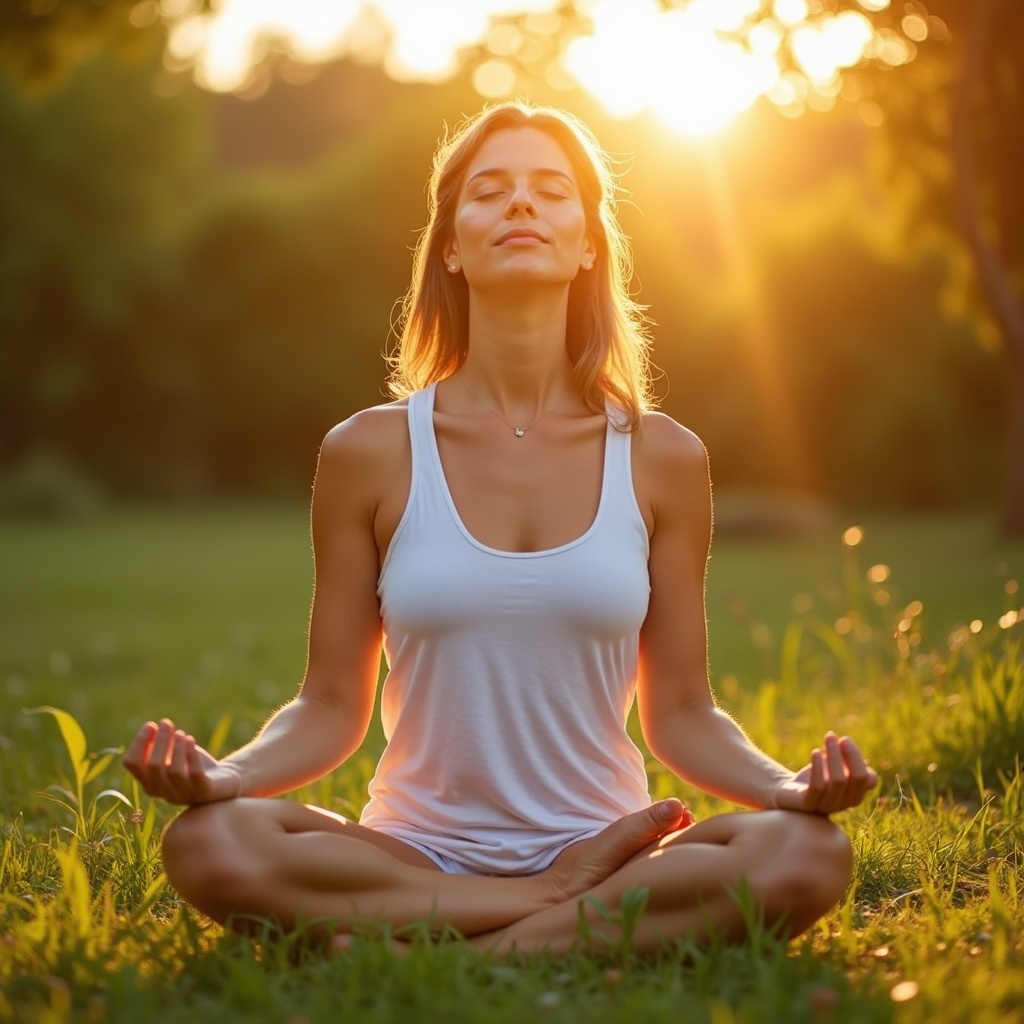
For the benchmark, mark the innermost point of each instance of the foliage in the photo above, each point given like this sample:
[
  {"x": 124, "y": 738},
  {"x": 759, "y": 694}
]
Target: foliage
[
  {"x": 44, "y": 41},
  {"x": 950, "y": 156},
  {"x": 177, "y": 328},
  {"x": 46, "y": 487}
]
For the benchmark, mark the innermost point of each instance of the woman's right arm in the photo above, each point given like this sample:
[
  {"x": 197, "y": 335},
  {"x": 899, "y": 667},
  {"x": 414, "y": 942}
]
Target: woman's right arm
[{"x": 322, "y": 726}]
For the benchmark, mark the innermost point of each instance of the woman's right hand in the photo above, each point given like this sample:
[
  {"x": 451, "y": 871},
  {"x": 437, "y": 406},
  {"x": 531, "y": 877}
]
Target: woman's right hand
[{"x": 171, "y": 765}]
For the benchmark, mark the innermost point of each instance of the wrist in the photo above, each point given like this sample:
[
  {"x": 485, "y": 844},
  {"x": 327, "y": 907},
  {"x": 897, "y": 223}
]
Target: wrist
[{"x": 770, "y": 795}]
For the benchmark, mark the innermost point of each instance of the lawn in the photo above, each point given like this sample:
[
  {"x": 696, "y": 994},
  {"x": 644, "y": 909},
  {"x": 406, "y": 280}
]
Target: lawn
[{"x": 201, "y": 615}]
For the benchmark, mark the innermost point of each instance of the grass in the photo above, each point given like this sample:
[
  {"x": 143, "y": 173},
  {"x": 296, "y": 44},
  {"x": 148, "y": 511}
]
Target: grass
[{"x": 202, "y": 616}]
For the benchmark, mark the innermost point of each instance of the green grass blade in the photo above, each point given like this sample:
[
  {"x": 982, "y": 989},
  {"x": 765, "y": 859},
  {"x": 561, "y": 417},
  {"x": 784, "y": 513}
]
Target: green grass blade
[{"x": 74, "y": 738}]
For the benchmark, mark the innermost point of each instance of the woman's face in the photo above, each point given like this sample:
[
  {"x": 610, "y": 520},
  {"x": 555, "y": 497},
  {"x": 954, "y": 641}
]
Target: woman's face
[{"x": 519, "y": 217}]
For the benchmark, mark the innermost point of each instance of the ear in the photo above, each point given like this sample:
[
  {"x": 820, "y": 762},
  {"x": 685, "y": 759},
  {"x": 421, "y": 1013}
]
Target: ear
[
  {"x": 589, "y": 255},
  {"x": 452, "y": 262}
]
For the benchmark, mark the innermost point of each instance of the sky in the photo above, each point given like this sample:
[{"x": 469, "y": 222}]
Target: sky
[{"x": 697, "y": 65}]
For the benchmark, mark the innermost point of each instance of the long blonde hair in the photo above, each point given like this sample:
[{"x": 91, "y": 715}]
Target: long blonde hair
[{"x": 606, "y": 337}]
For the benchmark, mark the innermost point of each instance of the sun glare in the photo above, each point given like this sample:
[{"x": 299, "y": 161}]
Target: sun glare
[
  {"x": 225, "y": 47},
  {"x": 675, "y": 63},
  {"x": 695, "y": 66}
]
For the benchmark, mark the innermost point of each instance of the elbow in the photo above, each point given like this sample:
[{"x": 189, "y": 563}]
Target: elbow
[{"x": 668, "y": 734}]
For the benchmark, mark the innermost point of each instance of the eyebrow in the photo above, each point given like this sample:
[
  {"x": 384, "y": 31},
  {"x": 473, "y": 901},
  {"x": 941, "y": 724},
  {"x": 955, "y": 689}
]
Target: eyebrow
[{"x": 540, "y": 172}]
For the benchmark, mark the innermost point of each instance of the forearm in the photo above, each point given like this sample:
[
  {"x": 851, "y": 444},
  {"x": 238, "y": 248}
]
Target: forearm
[
  {"x": 301, "y": 742},
  {"x": 706, "y": 747}
]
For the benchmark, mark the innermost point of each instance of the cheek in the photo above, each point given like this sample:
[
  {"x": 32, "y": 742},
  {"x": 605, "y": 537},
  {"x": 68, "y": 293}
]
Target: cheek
[
  {"x": 467, "y": 227},
  {"x": 573, "y": 225}
]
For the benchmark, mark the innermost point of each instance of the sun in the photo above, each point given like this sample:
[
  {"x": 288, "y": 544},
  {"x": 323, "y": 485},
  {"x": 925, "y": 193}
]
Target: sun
[
  {"x": 679, "y": 63},
  {"x": 697, "y": 65}
]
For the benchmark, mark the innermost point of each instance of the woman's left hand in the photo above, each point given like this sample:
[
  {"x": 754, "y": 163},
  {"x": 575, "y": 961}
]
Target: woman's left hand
[{"x": 837, "y": 778}]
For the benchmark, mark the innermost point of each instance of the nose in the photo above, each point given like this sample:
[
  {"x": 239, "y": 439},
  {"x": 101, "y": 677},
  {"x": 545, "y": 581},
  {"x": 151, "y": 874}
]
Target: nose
[{"x": 520, "y": 201}]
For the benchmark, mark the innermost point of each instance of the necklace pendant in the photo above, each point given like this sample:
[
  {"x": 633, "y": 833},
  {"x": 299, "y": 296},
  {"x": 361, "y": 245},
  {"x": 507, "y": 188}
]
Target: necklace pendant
[{"x": 520, "y": 431}]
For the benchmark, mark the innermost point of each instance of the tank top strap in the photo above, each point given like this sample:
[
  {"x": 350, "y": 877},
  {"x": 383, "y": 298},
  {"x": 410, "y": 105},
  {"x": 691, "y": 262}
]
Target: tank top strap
[
  {"x": 621, "y": 503},
  {"x": 421, "y": 413}
]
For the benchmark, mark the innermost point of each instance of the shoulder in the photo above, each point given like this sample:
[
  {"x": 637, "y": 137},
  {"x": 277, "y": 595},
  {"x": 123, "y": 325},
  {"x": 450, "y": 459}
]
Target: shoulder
[
  {"x": 666, "y": 447},
  {"x": 670, "y": 470},
  {"x": 367, "y": 438},
  {"x": 362, "y": 456}
]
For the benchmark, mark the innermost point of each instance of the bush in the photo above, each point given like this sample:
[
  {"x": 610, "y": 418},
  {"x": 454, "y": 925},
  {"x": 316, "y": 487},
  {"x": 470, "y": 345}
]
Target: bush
[{"x": 44, "y": 486}]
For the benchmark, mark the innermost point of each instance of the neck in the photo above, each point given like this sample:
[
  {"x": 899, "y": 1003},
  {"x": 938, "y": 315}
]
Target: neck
[{"x": 516, "y": 360}]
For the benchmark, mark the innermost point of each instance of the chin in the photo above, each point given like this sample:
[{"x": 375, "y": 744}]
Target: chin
[{"x": 521, "y": 276}]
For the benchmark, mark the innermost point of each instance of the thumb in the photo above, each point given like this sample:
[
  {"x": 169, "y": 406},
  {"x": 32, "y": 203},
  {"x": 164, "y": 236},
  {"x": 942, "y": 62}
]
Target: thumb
[
  {"x": 629, "y": 835},
  {"x": 671, "y": 814}
]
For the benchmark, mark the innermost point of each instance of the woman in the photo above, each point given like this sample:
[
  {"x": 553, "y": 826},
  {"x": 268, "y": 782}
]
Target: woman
[{"x": 528, "y": 540}]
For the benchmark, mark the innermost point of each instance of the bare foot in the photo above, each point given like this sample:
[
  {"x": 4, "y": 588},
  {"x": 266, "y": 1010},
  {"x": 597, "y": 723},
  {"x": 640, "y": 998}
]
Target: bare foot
[{"x": 584, "y": 864}]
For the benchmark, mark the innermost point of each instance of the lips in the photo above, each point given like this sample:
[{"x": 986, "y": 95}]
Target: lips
[{"x": 526, "y": 234}]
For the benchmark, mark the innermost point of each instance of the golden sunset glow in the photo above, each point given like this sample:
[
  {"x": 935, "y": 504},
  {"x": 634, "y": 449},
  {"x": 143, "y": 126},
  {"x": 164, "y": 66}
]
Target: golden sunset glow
[
  {"x": 675, "y": 63},
  {"x": 696, "y": 66}
]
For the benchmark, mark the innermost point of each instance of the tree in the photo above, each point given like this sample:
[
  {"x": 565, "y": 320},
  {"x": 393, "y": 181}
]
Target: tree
[
  {"x": 943, "y": 84},
  {"x": 43, "y": 41},
  {"x": 951, "y": 147}
]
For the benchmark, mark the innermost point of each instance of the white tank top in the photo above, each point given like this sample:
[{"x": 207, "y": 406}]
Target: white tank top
[{"x": 510, "y": 674}]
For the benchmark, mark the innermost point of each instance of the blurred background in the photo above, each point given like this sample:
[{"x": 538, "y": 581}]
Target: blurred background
[{"x": 207, "y": 212}]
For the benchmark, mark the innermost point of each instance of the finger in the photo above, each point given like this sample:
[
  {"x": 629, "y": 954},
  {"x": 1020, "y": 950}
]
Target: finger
[
  {"x": 195, "y": 761},
  {"x": 161, "y": 744},
  {"x": 857, "y": 767},
  {"x": 835, "y": 763},
  {"x": 156, "y": 762},
  {"x": 177, "y": 767},
  {"x": 835, "y": 796},
  {"x": 138, "y": 749},
  {"x": 816, "y": 782},
  {"x": 200, "y": 785},
  {"x": 862, "y": 776},
  {"x": 627, "y": 836}
]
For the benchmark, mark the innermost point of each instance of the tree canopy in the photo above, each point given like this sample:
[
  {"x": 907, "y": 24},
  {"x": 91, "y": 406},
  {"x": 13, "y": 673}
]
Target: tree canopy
[{"x": 231, "y": 317}]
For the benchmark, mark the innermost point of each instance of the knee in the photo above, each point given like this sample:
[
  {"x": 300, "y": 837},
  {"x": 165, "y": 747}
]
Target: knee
[
  {"x": 203, "y": 860},
  {"x": 809, "y": 872}
]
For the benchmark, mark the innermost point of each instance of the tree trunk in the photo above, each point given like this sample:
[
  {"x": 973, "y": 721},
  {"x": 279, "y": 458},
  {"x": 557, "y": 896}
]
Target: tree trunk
[
  {"x": 993, "y": 274},
  {"x": 1012, "y": 519}
]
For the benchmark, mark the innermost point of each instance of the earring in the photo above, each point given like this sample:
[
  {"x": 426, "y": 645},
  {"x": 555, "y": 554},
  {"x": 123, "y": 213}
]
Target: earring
[{"x": 451, "y": 266}]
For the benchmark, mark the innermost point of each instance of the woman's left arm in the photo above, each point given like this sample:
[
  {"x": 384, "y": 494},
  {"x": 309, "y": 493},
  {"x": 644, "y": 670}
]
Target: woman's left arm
[{"x": 681, "y": 722}]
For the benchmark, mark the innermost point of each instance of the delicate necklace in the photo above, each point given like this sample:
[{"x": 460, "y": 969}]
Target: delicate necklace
[{"x": 518, "y": 431}]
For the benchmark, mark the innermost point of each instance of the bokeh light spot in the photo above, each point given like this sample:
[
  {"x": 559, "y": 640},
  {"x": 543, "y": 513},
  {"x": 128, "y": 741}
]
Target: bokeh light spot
[
  {"x": 915, "y": 27},
  {"x": 904, "y": 991},
  {"x": 503, "y": 40},
  {"x": 870, "y": 113},
  {"x": 494, "y": 79},
  {"x": 791, "y": 12}
]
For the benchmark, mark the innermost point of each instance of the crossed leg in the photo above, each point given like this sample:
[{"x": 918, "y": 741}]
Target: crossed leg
[
  {"x": 278, "y": 860},
  {"x": 794, "y": 867}
]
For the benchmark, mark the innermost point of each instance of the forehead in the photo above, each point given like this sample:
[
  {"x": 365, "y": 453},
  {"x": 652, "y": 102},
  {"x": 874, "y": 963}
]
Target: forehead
[{"x": 519, "y": 150}]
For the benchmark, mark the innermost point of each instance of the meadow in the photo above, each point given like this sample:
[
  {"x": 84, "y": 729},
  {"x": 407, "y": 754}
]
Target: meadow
[{"x": 906, "y": 632}]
